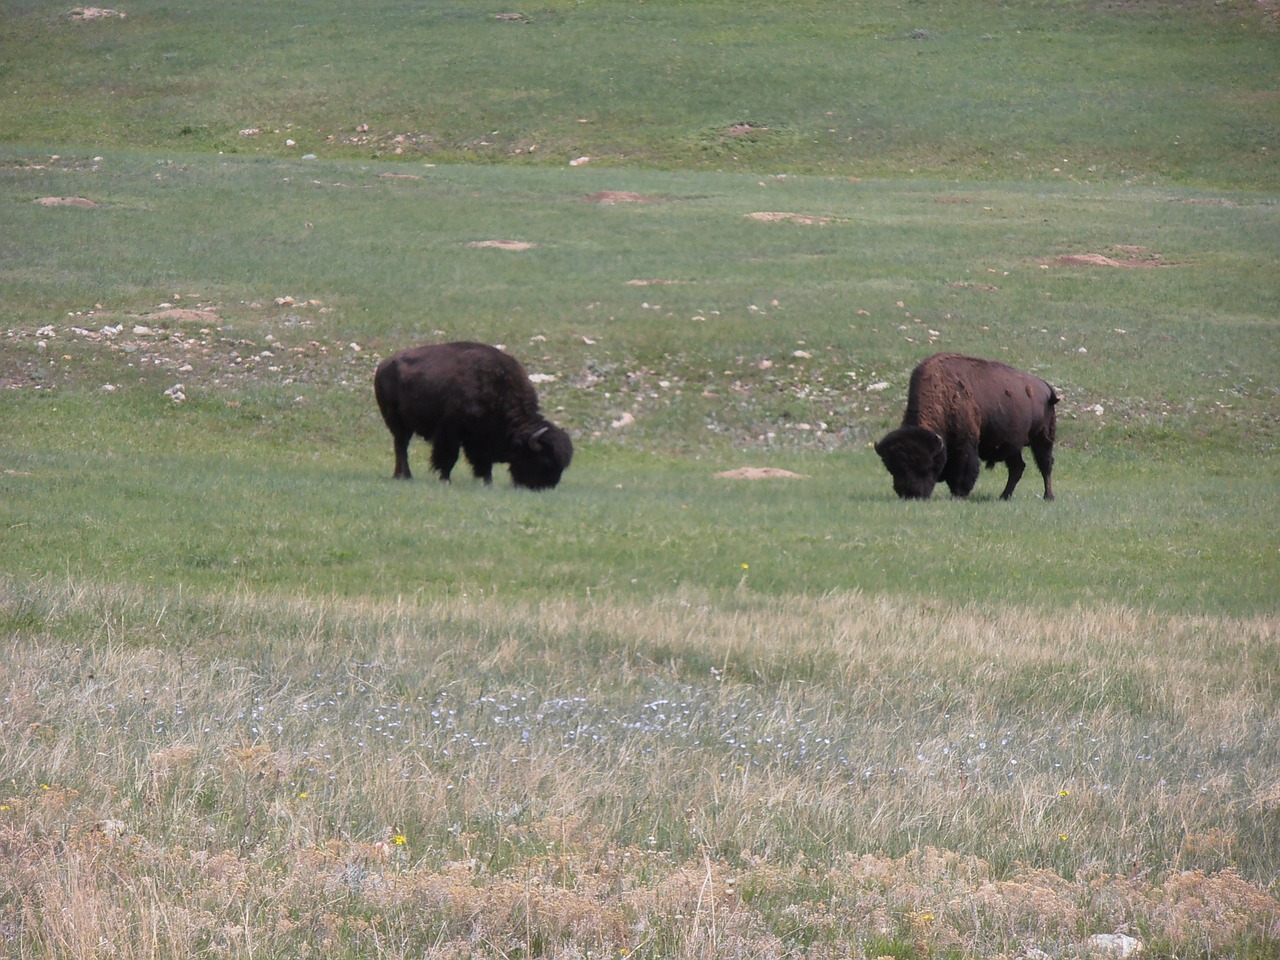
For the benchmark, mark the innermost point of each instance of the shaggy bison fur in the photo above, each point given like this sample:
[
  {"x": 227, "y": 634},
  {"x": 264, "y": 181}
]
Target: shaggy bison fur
[
  {"x": 962, "y": 411},
  {"x": 473, "y": 398}
]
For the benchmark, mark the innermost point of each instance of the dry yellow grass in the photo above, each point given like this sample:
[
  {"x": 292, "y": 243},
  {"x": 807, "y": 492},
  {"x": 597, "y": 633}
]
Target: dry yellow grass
[{"x": 838, "y": 776}]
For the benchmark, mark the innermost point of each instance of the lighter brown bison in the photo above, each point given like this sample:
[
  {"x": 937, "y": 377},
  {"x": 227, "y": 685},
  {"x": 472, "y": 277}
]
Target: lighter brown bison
[{"x": 961, "y": 412}]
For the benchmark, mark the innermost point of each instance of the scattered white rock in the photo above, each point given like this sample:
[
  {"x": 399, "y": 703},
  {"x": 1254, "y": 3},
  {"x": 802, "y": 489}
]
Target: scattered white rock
[
  {"x": 113, "y": 829},
  {"x": 285, "y": 301},
  {"x": 623, "y": 421},
  {"x": 1113, "y": 945},
  {"x": 878, "y": 385},
  {"x": 47, "y": 331},
  {"x": 250, "y": 132},
  {"x": 542, "y": 378},
  {"x": 176, "y": 393},
  {"x": 802, "y": 355},
  {"x": 141, "y": 330},
  {"x": 1097, "y": 409},
  {"x": 579, "y": 161},
  {"x": 108, "y": 388}
]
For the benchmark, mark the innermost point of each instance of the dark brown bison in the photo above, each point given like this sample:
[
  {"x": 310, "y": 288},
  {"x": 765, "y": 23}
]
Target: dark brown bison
[
  {"x": 961, "y": 411},
  {"x": 474, "y": 398}
]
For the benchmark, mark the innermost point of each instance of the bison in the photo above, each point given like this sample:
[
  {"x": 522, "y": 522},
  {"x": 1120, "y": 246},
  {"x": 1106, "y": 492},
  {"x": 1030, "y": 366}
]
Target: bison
[
  {"x": 962, "y": 410},
  {"x": 474, "y": 398}
]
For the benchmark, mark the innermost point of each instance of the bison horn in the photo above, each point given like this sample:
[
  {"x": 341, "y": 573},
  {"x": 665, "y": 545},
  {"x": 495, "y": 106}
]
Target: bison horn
[{"x": 534, "y": 445}]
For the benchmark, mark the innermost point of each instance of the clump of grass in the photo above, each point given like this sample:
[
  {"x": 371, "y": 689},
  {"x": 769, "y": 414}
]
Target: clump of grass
[{"x": 239, "y": 772}]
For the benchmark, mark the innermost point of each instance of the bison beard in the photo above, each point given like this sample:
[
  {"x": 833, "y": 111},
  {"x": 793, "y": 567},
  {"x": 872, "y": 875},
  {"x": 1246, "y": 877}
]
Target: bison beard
[
  {"x": 474, "y": 399},
  {"x": 962, "y": 411}
]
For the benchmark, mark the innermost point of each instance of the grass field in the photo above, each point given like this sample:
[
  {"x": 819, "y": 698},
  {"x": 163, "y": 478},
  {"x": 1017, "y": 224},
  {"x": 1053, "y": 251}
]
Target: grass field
[{"x": 261, "y": 701}]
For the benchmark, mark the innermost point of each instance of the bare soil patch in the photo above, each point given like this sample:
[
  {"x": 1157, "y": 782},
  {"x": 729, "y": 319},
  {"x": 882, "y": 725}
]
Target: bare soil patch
[
  {"x": 782, "y": 217},
  {"x": 82, "y": 14},
  {"x": 1125, "y": 257},
  {"x": 621, "y": 196},
  {"x": 66, "y": 202},
  {"x": 501, "y": 244},
  {"x": 760, "y": 473},
  {"x": 184, "y": 315}
]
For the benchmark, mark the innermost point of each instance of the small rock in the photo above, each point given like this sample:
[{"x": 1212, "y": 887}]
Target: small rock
[
  {"x": 114, "y": 829},
  {"x": 176, "y": 393},
  {"x": 142, "y": 331},
  {"x": 579, "y": 161},
  {"x": 1113, "y": 945},
  {"x": 623, "y": 421},
  {"x": 542, "y": 377},
  {"x": 878, "y": 385},
  {"x": 108, "y": 388}
]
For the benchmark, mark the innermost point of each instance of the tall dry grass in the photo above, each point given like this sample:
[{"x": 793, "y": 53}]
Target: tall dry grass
[{"x": 841, "y": 775}]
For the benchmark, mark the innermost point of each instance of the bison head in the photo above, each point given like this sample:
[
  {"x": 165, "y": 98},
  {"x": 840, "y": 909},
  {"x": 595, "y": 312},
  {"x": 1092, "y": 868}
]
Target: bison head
[
  {"x": 915, "y": 457},
  {"x": 538, "y": 460}
]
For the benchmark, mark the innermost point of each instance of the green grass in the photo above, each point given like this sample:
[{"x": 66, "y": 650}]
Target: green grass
[
  {"x": 261, "y": 700},
  {"x": 1143, "y": 92}
]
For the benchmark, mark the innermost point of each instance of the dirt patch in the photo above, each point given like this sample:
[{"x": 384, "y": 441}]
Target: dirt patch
[
  {"x": 621, "y": 196},
  {"x": 501, "y": 244},
  {"x": 66, "y": 202},
  {"x": 187, "y": 316},
  {"x": 1124, "y": 257},
  {"x": 760, "y": 473},
  {"x": 743, "y": 130},
  {"x": 967, "y": 285},
  {"x": 656, "y": 282},
  {"x": 398, "y": 176},
  {"x": 82, "y": 14},
  {"x": 779, "y": 217}
]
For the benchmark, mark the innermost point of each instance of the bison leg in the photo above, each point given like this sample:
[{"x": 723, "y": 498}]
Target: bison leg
[
  {"x": 962, "y": 473},
  {"x": 444, "y": 455},
  {"x": 1016, "y": 465},
  {"x": 481, "y": 468},
  {"x": 401, "y": 440},
  {"x": 1043, "y": 452}
]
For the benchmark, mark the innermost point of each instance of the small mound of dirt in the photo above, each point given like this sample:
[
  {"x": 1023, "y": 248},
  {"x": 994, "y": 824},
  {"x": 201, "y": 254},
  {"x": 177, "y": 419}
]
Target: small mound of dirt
[
  {"x": 190, "y": 316},
  {"x": 779, "y": 217},
  {"x": 66, "y": 202},
  {"x": 501, "y": 244},
  {"x": 621, "y": 196},
  {"x": 1127, "y": 258},
  {"x": 760, "y": 473},
  {"x": 81, "y": 14}
]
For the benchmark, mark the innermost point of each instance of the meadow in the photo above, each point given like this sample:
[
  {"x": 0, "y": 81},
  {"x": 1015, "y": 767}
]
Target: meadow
[{"x": 262, "y": 701}]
